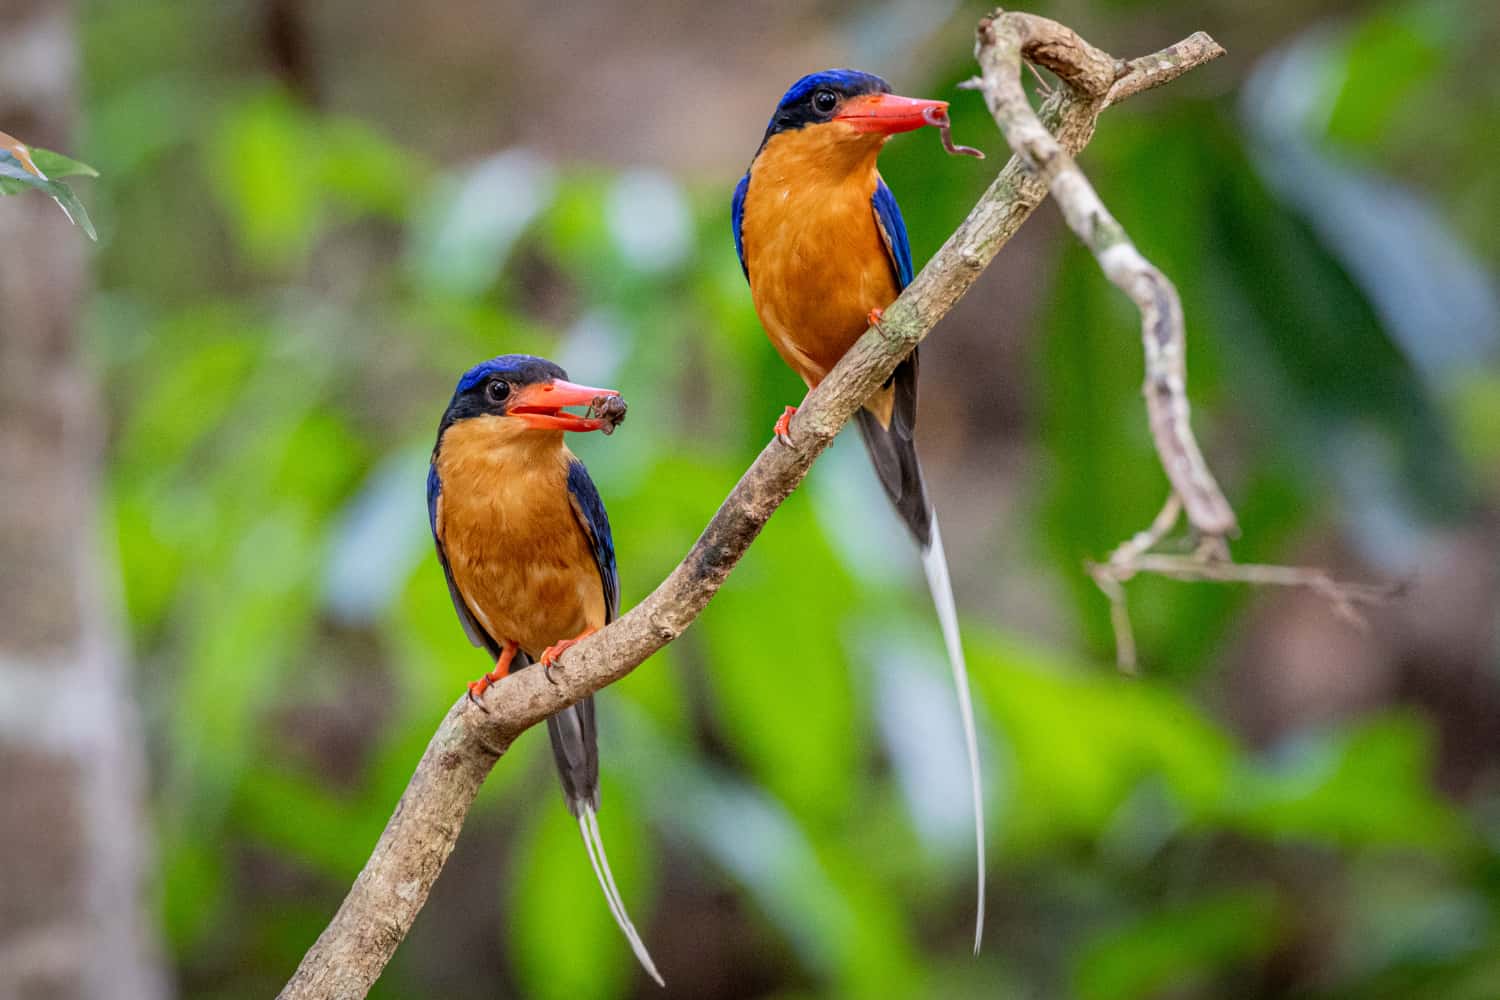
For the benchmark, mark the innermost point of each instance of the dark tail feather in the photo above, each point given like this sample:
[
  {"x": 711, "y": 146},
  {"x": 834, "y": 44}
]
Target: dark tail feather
[
  {"x": 893, "y": 450},
  {"x": 575, "y": 747}
]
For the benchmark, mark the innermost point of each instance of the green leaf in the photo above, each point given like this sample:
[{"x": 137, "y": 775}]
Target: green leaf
[
  {"x": 56, "y": 165},
  {"x": 14, "y": 177},
  {"x": 297, "y": 817},
  {"x": 263, "y": 163},
  {"x": 195, "y": 890},
  {"x": 1367, "y": 787},
  {"x": 1388, "y": 58},
  {"x": 1176, "y": 946},
  {"x": 1474, "y": 408},
  {"x": 365, "y": 171},
  {"x": 1311, "y": 353},
  {"x": 1081, "y": 742},
  {"x": 792, "y": 586}
]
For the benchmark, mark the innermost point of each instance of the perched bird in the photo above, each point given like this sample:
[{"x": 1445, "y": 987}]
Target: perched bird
[
  {"x": 823, "y": 246},
  {"x": 525, "y": 544}
]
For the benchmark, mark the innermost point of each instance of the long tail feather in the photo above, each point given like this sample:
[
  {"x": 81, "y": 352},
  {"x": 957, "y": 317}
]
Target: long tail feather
[
  {"x": 894, "y": 454},
  {"x": 575, "y": 747},
  {"x": 935, "y": 564},
  {"x": 593, "y": 842}
]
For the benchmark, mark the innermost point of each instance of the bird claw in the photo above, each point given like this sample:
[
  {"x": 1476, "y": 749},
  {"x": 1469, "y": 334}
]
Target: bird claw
[
  {"x": 783, "y": 428},
  {"x": 551, "y": 653},
  {"x": 477, "y": 688},
  {"x": 476, "y": 693}
]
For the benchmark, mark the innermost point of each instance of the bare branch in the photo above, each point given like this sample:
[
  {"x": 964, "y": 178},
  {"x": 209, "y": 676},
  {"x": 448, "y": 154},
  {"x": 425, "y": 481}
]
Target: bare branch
[
  {"x": 1111, "y": 579},
  {"x": 1004, "y": 40},
  {"x": 1205, "y": 565},
  {"x": 390, "y": 891},
  {"x": 1163, "y": 67}
]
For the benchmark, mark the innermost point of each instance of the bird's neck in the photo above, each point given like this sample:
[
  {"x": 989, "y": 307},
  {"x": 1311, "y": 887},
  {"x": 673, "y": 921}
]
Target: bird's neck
[
  {"x": 818, "y": 156},
  {"x": 488, "y": 446}
]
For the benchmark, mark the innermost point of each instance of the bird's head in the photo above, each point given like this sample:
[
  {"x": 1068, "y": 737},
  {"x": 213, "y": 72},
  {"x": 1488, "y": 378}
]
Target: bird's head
[
  {"x": 524, "y": 396},
  {"x": 849, "y": 108}
]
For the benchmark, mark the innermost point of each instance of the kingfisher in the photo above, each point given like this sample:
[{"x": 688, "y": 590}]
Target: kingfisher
[
  {"x": 524, "y": 542},
  {"x": 822, "y": 243}
]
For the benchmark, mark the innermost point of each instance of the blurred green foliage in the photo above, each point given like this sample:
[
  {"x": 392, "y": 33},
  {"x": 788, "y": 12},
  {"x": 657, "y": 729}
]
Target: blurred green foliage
[
  {"x": 279, "y": 320},
  {"x": 26, "y": 168}
]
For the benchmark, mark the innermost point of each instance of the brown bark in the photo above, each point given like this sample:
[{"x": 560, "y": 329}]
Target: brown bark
[{"x": 72, "y": 919}]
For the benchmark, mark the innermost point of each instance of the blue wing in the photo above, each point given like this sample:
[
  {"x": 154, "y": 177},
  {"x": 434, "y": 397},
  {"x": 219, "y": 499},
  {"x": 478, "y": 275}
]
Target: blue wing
[
  {"x": 737, "y": 216},
  {"x": 589, "y": 509},
  {"x": 892, "y": 230},
  {"x": 476, "y": 633}
]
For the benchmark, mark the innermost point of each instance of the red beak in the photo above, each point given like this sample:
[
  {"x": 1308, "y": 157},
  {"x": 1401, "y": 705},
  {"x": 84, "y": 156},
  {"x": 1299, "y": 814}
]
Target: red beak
[
  {"x": 541, "y": 406},
  {"x": 889, "y": 114}
]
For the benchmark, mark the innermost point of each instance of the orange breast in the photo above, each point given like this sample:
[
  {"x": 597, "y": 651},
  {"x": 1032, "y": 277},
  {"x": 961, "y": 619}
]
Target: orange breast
[
  {"x": 816, "y": 259},
  {"x": 518, "y": 554}
]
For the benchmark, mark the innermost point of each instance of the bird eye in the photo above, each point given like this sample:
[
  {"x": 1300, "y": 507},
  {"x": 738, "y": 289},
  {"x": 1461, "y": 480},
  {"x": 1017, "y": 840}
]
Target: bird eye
[
  {"x": 497, "y": 390},
  {"x": 824, "y": 101}
]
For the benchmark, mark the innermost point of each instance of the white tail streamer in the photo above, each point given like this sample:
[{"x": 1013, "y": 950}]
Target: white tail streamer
[
  {"x": 935, "y": 564},
  {"x": 593, "y": 842}
]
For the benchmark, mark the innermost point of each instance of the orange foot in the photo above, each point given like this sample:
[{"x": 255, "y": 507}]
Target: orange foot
[
  {"x": 551, "y": 653},
  {"x": 783, "y": 427},
  {"x": 875, "y": 316},
  {"x": 502, "y": 668}
]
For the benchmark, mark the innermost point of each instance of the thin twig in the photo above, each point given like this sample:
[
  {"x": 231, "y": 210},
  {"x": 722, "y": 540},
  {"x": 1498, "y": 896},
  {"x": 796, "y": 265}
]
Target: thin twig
[
  {"x": 386, "y": 897},
  {"x": 1147, "y": 540},
  {"x": 1162, "y": 67},
  {"x": 1346, "y": 597},
  {"x": 1109, "y": 579},
  {"x": 1119, "y": 617},
  {"x": 1042, "y": 86}
]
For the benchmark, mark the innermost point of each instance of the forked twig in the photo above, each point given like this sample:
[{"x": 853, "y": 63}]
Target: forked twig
[{"x": 1210, "y": 562}]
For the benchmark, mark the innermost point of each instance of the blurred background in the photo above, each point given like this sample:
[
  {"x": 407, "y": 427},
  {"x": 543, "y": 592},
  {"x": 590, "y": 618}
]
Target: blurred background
[{"x": 224, "y": 639}]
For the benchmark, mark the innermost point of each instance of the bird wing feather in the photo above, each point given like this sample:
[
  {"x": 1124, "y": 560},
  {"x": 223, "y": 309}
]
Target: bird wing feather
[
  {"x": 476, "y": 633},
  {"x": 588, "y": 508},
  {"x": 737, "y": 217},
  {"x": 893, "y": 232}
]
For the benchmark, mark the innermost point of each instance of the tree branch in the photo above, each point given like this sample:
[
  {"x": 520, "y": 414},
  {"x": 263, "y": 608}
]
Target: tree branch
[
  {"x": 385, "y": 899},
  {"x": 1005, "y": 40},
  {"x": 1210, "y": 563}
]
